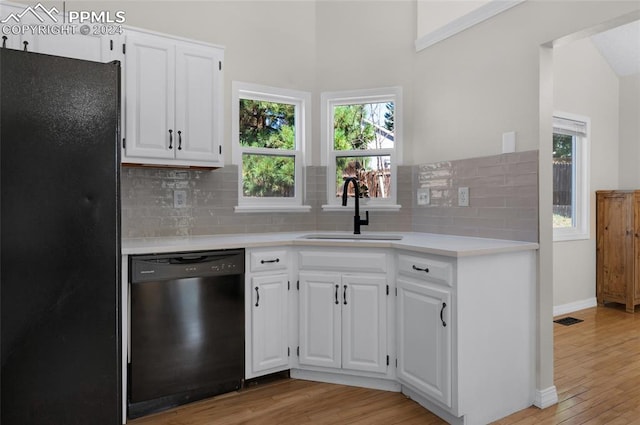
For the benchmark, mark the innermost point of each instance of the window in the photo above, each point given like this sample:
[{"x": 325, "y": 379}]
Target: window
[
  {"x": 362, "y": 130},
  {"x": 268, "y": 139},
  {"x": 570, "y": 177}
]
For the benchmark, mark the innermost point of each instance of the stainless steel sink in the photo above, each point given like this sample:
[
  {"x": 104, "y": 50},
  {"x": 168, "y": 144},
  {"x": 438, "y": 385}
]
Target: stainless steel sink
[{"x": 351, "y": 236}]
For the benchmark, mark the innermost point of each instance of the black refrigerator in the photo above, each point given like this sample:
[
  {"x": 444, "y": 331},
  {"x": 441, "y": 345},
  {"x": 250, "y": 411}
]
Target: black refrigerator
[{"x": 60, "y": 250}]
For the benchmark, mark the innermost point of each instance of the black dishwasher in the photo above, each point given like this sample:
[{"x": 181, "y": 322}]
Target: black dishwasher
[{"x": 187, "y": 328}]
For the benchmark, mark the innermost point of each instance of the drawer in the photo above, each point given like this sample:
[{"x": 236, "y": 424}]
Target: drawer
[
  {"x": 268, "y": 260},
  {"x": 368, "y": 262},
  {"x": 426, "y": 269}
]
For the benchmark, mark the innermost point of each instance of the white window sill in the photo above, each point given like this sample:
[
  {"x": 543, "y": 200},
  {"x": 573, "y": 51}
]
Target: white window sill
[
  {"x": 568, "y": 235},
  {"x": 272, "y": 208},
  {"x": 363, "y": 207}
]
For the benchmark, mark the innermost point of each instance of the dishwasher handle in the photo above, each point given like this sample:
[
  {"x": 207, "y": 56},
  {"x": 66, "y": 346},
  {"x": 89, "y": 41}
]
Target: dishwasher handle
[{"x": 190, "y": 259}]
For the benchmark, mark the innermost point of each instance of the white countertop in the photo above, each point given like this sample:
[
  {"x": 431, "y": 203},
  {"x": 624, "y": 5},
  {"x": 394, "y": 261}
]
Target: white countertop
[{"x": 451, "y": 246}]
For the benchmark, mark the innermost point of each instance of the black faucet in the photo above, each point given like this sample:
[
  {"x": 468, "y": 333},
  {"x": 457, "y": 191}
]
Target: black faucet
[{"x": 357, "y": 221}]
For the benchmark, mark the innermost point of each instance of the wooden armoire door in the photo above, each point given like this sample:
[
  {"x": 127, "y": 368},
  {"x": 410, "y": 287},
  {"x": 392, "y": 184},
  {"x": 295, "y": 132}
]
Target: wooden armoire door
[{"x": 615, "y": 248}]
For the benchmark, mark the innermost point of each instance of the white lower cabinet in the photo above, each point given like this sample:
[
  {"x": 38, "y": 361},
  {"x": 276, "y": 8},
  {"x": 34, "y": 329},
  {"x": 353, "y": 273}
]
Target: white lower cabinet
[
  {"x": 459, "y": 330},
  {"x": 267, "y": 313},
  {"x": 465, "y": 340},
  {"x": 424, "y": 338},
  {"x": 343, "y": 321}
]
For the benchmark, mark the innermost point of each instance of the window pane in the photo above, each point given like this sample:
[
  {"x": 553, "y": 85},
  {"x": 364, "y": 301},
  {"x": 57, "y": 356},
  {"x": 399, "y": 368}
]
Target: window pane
[
  {"x": 268, "y": 176},
  {"x": 374, "y": 173},
  {"x": 267, "y": 124},
  {"x": 563, "y": 181},
  {"x": 363, "y": 126}
]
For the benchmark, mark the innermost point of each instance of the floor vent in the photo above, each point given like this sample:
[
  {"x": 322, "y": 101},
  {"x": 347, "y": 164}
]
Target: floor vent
[{"x": 567, "y": 321}]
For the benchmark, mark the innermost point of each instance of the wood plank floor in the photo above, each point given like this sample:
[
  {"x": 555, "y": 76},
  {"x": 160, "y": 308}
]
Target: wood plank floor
[{"x": 597, "y": 375}]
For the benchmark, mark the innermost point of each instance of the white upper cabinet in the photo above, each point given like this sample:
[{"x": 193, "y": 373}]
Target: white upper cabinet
[
  {"x": 150, "y": 97},
  {"x": 78, "y": 46},
  {"x": 93, "y": 46},
  {"x": 198, "y": 105},
  {"x": 173, "y": 101}
]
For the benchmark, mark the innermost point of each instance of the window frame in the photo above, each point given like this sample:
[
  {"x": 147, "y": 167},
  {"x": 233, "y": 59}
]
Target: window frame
[
  {"x": 580, "y": 181},
  {"x": 328, "y": 158},
  {"x": 302, "y": 102}
]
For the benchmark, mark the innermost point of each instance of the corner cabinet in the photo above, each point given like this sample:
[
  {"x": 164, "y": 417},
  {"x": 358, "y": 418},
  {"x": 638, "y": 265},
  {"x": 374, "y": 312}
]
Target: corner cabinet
[
  {"x": 343, "y": 312},
  {"x": 267, "y": 309},
  {"x": 173, "y": 101},
  {"x": 424, "y": 327},
  {"x": 466, "y": 345},
  {"x": 618, "y": 247}
]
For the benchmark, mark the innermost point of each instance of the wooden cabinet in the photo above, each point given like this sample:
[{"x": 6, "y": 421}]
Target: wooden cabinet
[
  {"x": 618, "y": 248},
  {"x": 343, "y": 310},
  {"x": 267, "y": 310},
  {"x": 173, "y": 95},
  {"x": 343, "y": 321}
]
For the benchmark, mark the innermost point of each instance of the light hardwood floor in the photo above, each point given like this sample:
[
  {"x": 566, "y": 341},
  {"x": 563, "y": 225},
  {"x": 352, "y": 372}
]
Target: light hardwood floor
[{"x": 597, "y": 375}]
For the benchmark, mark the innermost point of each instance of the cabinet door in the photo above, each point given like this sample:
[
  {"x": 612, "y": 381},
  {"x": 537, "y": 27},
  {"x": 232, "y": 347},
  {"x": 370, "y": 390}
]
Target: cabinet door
[
  {"x": 364, "y": 323},
  {"x": 198, "y": 102},
  {"x": 615, "y": 246},
  {"x": 424, "y": 339},
  {"x": 320, "y": 319},
  {"x": 269, "y": 330},
  {"x": 150, "y": 97},
  {"x": 77, "y": 46}
]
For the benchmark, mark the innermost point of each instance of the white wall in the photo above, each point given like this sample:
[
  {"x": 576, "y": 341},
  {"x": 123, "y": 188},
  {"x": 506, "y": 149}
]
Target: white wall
[
  {"x": 584, "y": 84},
  {"x": 630, "y": 132},
  {"x": 365, "y": 44}
]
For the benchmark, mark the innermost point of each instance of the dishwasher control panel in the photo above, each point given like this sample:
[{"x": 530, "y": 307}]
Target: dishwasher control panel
[{"x": 148, "y": 268}]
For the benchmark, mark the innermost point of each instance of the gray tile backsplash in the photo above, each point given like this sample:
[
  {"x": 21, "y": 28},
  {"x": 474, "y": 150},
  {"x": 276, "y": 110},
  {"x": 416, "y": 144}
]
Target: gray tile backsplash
[
  {"x": 503, "y": 197},
  {"x": 503, "y": 201}
]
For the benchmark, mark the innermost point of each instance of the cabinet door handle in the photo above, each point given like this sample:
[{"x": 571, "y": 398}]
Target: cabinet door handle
[
  {"x": 337, "y": 287},
  {"x": 277, "y": 260},
  {"x": 257, "y": 297},
  {"x": 170, "y": 139},
  {"x": 426, "y": 269},
  {"x": 344, "y": 295},
  {"x": 444, "y": 305},
  {"x": 179, "y": 140}
]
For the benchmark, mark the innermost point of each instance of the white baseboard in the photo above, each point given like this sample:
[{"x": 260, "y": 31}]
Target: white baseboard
[
  {"x": 545, "y": 398},
  {"x": 559, "y": 310}
]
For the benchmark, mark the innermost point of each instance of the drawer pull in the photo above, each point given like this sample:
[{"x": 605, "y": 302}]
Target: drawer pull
[
  {"x": 257, "y": 297},
  {"x": 444, "y": 324},
  {"x": 277, "y": 260},
  {"x": 426, "y": 269}
]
